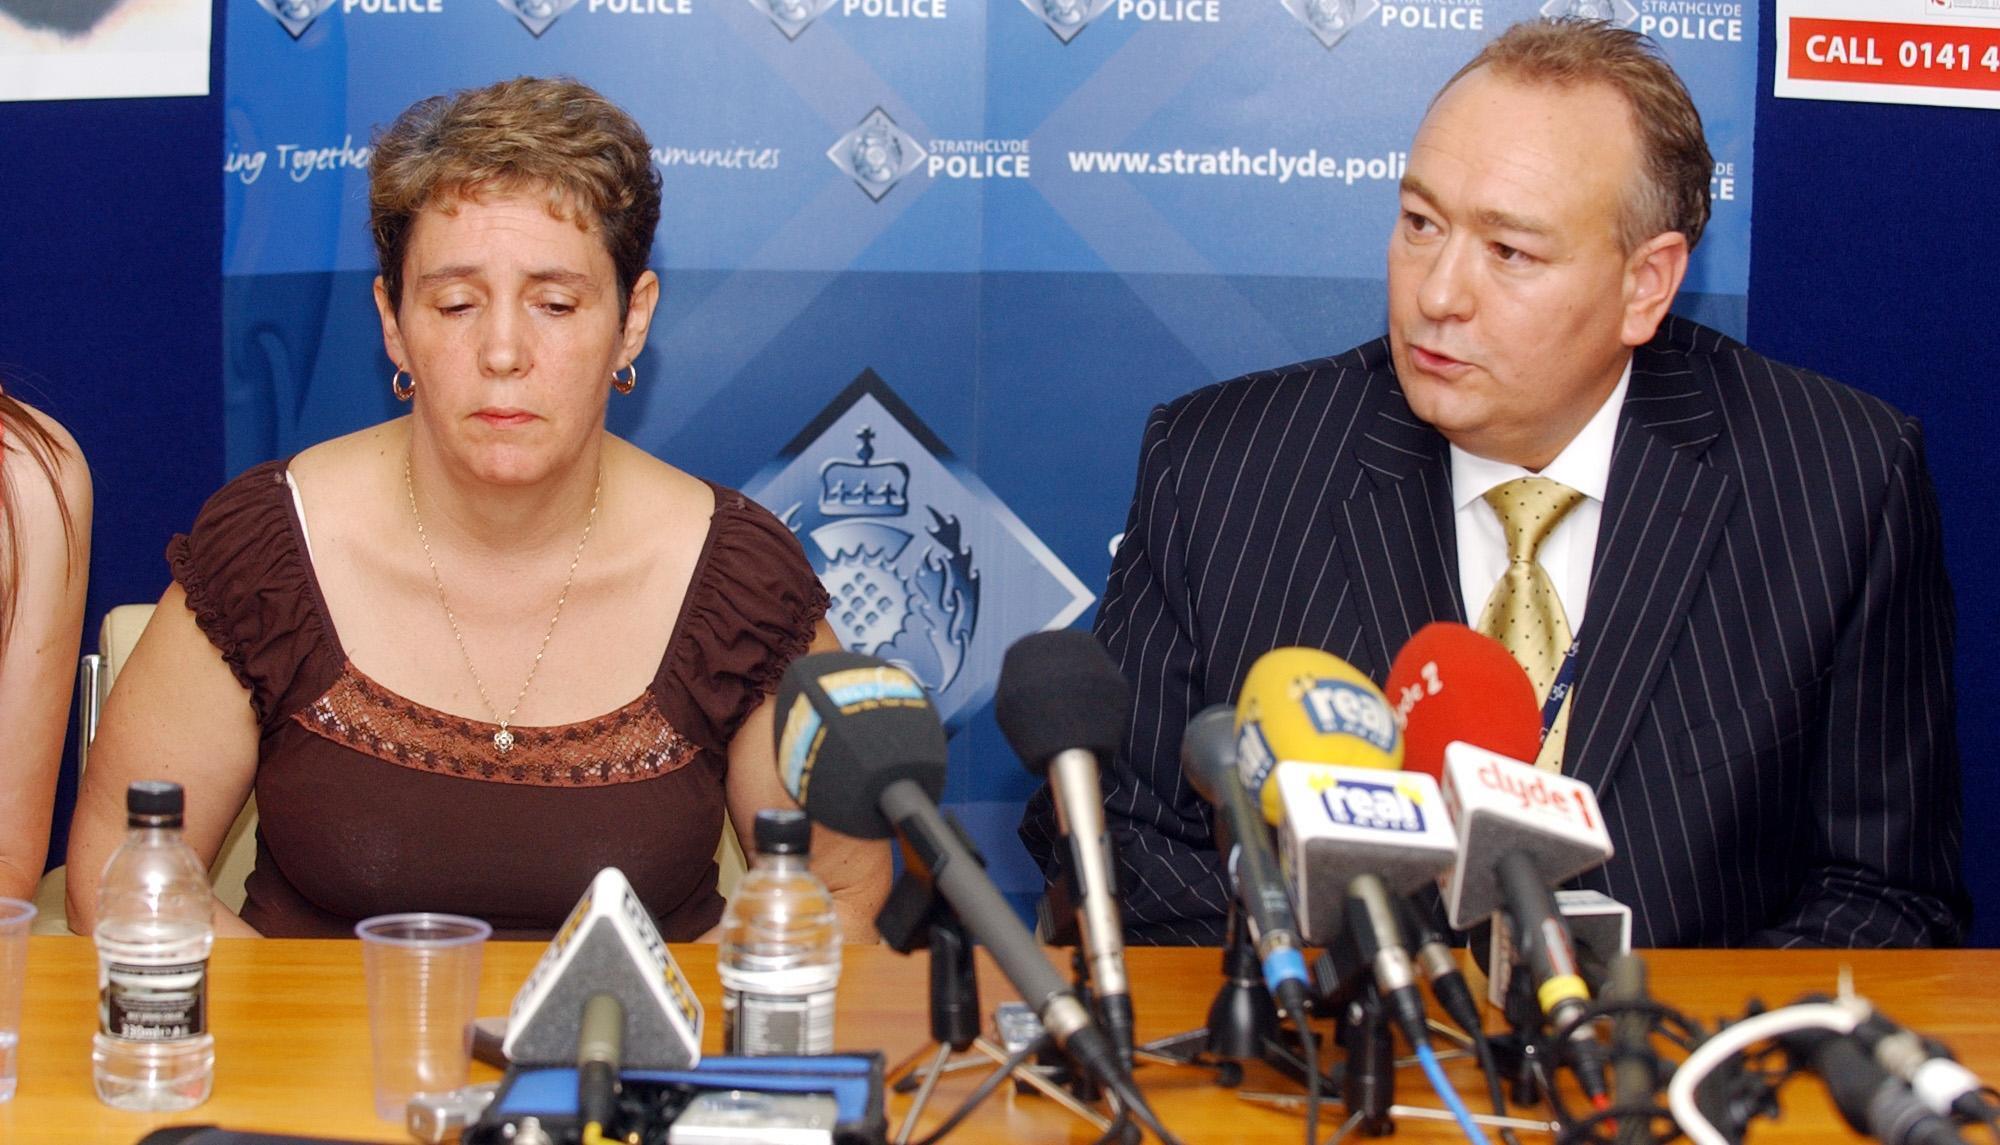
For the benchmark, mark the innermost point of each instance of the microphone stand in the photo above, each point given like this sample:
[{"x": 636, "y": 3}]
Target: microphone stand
[
  {"x": 916, "y": 916},
  {"x": 1242, "y": 1021}
]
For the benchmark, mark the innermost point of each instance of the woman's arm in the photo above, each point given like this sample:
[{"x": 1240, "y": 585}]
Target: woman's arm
[
  {"x": 176, "y": 713},
  {"x": 855, "y": 870},
  {"x": 38, "y": 659}
]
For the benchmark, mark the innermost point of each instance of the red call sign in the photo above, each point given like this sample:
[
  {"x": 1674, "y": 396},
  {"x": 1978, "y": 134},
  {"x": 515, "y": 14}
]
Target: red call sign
[{"x": 1915, "y": 55}]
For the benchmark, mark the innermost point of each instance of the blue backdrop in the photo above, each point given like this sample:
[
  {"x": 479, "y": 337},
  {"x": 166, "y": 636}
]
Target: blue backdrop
[
  {"x": 946, "y": 252},
  {"x": 113, "y": 292}
]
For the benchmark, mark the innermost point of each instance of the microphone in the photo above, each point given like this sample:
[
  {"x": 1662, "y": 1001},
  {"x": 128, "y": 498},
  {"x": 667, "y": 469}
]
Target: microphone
[
  {"x": 1926, "y": 1066},
  {"x": 598, "y": 1052},
  {"x": 1305, "y": 705},
  {"x": 1869, "y": 1098},
  {"x": 1343, "y": 807},
  {"x": 1063, "y": 705},
  {"x": 1208, "y": 759},
  {"x": 1452, "y": 683},
  {"x": 862, "y": 751},
  {"x": 1521, "y": 830},
  {"x": 608, "y": 945}
]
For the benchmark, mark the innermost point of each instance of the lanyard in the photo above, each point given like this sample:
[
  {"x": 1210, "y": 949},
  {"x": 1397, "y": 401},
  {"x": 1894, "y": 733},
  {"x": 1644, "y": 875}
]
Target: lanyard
[{"x": 1559, "y": 690}]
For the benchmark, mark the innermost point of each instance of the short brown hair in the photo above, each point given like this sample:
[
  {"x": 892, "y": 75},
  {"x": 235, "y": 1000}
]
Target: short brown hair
[
  {"x": 1672, "y": 191},
  {"x": 533, "y": 134}
]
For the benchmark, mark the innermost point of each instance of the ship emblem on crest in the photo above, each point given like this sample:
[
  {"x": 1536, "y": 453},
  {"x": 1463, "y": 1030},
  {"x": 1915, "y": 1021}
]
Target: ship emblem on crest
[
  {"x": 295, "y": 15},
  {"x": 912, "y": 602},
  {"x": 912, "y": 547}
]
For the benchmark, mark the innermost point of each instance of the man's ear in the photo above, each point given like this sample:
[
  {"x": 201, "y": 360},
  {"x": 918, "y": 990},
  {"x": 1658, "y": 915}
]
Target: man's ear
[{"x": 1653, "y": 275}]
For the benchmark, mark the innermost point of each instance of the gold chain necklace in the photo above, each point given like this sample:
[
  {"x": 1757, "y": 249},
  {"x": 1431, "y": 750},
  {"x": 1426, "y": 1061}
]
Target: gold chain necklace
[{"x": 503, "y": 740}]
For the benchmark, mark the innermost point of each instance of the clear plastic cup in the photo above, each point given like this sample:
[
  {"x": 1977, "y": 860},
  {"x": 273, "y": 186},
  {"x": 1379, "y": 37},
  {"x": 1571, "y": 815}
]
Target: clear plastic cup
[
  {"x": 15, "y": 916},
  {"x": 423, "y": 987}
]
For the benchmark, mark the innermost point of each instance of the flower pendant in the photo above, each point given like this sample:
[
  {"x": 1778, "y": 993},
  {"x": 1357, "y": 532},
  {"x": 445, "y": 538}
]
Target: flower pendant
[{"x": 503, "y": 740}]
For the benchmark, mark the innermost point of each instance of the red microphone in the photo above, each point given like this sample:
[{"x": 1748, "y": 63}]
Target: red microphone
[{"x": 1451, "y": 683}]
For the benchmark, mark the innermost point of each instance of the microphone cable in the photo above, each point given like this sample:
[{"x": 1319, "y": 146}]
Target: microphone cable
[
  {"x": 1292, "y": 996},
  {"x": 1732, "y": 1040},
  {"x": 1428, "y": 1059},
  {"x": 985, "y": 1089}
]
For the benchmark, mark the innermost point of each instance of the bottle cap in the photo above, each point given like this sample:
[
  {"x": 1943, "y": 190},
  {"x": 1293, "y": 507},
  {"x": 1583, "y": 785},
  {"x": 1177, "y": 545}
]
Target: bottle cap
[
  {"x": 783, "y": 832},
  {"x": 154, "y": 799}
]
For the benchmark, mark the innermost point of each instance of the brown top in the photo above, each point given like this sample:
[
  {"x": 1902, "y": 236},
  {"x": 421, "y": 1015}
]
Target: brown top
[{"x": 369, "y": 803}]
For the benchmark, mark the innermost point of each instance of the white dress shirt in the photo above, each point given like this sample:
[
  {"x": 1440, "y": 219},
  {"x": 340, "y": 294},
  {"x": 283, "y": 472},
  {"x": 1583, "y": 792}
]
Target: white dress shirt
[{"x": 1566, "y": 554}]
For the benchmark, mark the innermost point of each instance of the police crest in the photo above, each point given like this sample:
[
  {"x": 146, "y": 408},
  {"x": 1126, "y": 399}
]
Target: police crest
[
  {"x": 914, "y": 603},
  {"x": 1618, "y": 12},
  {"x": 1331, "y": 20},
  {"x": 910, "y": 547},
  {"x": 537, "y": 15},
  {"x": 877, "y": 154},
  {"x": 295, "y": 15}
]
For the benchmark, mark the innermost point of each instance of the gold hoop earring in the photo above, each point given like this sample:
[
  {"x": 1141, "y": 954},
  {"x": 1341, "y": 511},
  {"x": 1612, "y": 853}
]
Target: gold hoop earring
[
  {"x": 403, "y": 384},
  {"x": 629, "y": 382}
]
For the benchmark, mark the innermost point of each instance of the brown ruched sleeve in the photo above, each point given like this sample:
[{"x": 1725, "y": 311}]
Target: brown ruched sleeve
[
  {"x": 750, "y": 613},
  {"x": 253, "y": 595}
]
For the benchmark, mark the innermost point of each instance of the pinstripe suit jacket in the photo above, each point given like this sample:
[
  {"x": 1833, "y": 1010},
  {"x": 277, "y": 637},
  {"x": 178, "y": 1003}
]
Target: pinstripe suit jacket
[{"x": 1764, "y": 699}]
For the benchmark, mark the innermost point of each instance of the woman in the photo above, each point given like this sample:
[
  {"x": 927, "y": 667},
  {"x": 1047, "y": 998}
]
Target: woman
[
  {"x": 470, "y": 656},
  {"x": 44, "y": 557}
]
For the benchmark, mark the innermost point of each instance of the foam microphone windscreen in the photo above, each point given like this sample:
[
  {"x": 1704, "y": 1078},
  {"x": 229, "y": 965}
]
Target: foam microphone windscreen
[
  {"x": 1303, "y": 705},
  {"x": 1059, "y": 691},
  {"x": 1452, "y": 683},
  {"x": 849, "y": 726}
]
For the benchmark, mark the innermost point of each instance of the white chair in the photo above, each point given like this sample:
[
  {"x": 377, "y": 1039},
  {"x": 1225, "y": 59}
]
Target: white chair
[
  {"x": 238, "y": 854},
  {"x": 99, "y": 670}
]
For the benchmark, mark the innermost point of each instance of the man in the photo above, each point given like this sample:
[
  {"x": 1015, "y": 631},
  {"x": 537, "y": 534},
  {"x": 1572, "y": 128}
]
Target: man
[{"x": 1746, "y": 555}]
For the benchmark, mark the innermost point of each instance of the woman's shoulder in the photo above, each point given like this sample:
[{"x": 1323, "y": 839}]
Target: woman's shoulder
[{"x": 44, "y": 465}]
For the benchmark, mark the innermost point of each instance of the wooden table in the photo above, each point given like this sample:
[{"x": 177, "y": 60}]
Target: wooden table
[{"x": 291, "y": 1031}]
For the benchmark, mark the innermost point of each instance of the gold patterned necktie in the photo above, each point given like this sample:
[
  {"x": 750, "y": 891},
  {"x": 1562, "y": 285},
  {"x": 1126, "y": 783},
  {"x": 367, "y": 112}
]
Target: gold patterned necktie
[{"x": 1524, "y": 614}]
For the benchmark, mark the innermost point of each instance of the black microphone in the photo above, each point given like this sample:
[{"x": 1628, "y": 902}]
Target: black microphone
[
  {"x": 1208, "y": 759},
  {"x": 1063, "y": 705},
  {"x": 1871, "y": 1099},
  {"x": 1547, "y": 952},
  {"x": 862, "y": 751},
  {"x": 1939, "y": 1081}
]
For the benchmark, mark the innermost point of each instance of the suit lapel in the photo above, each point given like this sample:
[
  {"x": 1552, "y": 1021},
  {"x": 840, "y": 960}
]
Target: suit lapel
[
  {"x": 1395, "y": 533},
  {"x": 1665, "y": 511}
]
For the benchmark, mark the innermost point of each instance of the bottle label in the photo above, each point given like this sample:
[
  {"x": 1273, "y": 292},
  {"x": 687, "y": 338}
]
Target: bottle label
[
  {"x": 152, "y": 1003},
  {"x": 777, "y": 1025}
]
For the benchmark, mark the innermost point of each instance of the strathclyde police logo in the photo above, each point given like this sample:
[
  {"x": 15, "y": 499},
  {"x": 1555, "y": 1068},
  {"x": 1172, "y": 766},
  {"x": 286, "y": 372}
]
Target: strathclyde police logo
[
  {"x": 877, "y": 154},
  {"x": 1331, "y": 20},
  {"x": 792, "y": 16},
  {"x": 537, "y": 15},
  {"x": 1617, "y": 12},
  {"x": 296, "y": 15},
  {"x": 907, "y": 542},
  {"x": 1067, "y": 18}
]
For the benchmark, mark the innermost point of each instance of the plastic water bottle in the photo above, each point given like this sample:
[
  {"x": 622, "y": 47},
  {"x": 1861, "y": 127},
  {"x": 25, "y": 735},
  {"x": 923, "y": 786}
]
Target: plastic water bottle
[
  {"x": 780, "y": 955},
  {"x": 153, "y": 1051}
]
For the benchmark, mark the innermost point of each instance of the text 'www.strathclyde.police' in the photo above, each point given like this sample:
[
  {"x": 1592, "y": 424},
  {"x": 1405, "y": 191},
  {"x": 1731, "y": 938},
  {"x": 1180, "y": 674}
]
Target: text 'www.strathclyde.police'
[{"x": 1280, "y": 166}]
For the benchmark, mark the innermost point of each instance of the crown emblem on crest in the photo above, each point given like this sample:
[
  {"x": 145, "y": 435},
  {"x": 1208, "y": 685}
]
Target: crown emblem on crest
[{"x": 864, "y": 489}]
